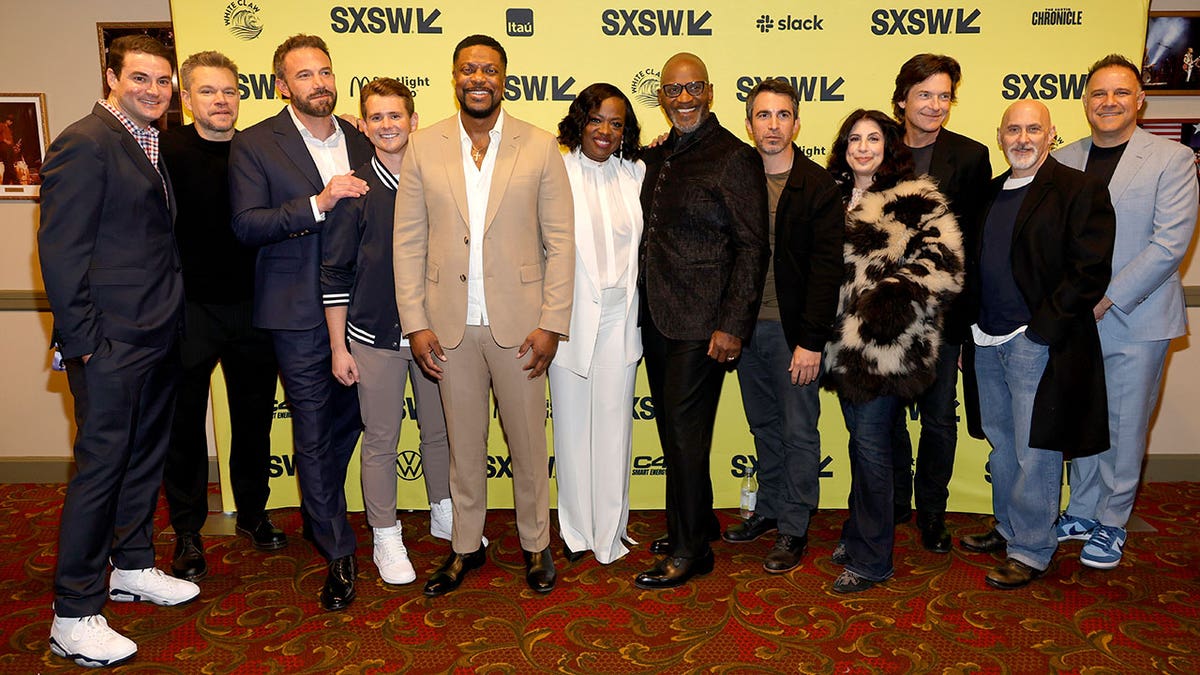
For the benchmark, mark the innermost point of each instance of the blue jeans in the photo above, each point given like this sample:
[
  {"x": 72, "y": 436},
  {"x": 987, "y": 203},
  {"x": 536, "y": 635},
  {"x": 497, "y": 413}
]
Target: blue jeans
[
  {"x": 870, "y": 531},
  {"x": 783, "y": 418},
  {"x": 1026, "y": 482}
]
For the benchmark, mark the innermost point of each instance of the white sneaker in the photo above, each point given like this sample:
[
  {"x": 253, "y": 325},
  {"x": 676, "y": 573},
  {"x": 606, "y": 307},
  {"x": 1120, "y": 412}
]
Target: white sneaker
[
  {"x": 391, "y": 557},
  {"x": 150, "y": 585},
  {"x": 441, "y": 518},
  {"x": 89, "y": 642}
]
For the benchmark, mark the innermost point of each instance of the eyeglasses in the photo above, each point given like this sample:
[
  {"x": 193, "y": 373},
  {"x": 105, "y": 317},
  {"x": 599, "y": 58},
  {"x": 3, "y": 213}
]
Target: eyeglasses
[{"x": 695, "y": 88}]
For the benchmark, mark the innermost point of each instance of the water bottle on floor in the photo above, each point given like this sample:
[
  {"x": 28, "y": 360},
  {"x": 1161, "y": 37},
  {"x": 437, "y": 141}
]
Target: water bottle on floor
[{"x": 749, "y": 494}]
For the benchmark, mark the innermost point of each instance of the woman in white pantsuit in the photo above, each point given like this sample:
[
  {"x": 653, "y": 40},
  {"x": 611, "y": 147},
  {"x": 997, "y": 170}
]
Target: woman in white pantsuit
[{"x": 592, "y": 376}]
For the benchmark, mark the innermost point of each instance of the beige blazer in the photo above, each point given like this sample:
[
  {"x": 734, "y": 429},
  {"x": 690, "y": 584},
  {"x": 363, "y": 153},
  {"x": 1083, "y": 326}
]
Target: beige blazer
[{"x": 529, "y": 243}]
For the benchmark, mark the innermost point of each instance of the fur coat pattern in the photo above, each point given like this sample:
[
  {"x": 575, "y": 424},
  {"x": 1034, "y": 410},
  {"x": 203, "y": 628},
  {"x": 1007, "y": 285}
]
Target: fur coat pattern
[{"x": 903, "y": 266}]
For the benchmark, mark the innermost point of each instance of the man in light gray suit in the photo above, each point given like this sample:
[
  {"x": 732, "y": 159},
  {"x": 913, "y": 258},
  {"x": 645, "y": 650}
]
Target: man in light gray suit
[{"x": 1152, "y": 182}]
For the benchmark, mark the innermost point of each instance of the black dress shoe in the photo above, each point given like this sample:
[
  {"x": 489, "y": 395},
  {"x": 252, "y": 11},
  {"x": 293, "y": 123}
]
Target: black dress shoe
[
  {"x": 750, "y": 529},
  {"x": 263, "y": 533},
  {"x": 674, "y": 572},
  {"x": 539, "y": 570},
  {"x": 1012, "y": 574},
  {"x": 786, "y": 554},
  {"x": 901, "y": 513},
  {"x": 450, "y": 575},
  {"x": 573, "y": 556},
  {"x": 189, "y": 557},
  {"x": 338, "y": 591},
  {"x": 662, "y": 545},
  {"x": 988, "y": 542},
  {"x": 934, "y": 535}
]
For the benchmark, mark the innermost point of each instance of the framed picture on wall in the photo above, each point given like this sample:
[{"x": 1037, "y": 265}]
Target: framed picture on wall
[
  {"x": 1171, "y": 64},
  {"x": 162, "y": 31},
  {"x": 1182, "y": 130},
  {"x": 24, "y": 138}
]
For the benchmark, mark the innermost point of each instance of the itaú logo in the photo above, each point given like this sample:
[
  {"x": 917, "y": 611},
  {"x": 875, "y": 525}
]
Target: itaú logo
[{"x": 408, "y": 465}]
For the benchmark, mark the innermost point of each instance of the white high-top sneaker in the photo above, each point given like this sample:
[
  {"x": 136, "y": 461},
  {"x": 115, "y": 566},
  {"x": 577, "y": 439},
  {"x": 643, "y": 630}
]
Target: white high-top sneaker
[
  {"x": 441, "y": 518},
  {"x": 391, "y": 557},
  {"x": 89, "y": 642},
  {"x": 150, "y": 585}
]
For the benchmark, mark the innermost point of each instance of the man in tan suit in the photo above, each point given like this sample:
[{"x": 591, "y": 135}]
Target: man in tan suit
[{"x": 484, "y": 260}]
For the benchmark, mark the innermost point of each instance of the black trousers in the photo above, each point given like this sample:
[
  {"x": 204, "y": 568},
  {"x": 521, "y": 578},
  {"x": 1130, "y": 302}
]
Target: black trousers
[
  {"x": 686, "y": 386},
  {"x": 221, "y": 333},
  {"x": 123, "y": 402},
  {"x": 325, "y": 428},
  {"x": 938, "y": 409}
]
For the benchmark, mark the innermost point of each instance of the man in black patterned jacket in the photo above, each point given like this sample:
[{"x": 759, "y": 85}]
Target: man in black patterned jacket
[{"x": 703, "y": 259}]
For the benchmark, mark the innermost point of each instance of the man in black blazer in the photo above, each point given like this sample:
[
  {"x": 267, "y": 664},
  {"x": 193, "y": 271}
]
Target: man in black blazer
[
  {"x": 285, "y": 174},
  {"x": 926, "y": 87},
  {"x": 112, "y": 274},
  {"x": 703, "y": 259},
  {"x": 1040, "y": 265}
]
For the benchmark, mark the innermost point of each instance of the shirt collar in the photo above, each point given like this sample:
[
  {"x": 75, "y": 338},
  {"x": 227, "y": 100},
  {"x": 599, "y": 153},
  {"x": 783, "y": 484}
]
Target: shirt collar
[
  {"x": 306, "y": 134},
  {"x": 493, "y": 134},
  {"x": 127, "y": 122}
]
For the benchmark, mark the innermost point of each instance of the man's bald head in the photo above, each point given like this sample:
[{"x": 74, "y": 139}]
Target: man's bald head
[
  {"x": 1025, "y": 136},
  {"x": 685, "y": 59}
]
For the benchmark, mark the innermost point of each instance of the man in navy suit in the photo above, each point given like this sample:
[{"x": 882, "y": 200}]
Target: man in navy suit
[
  {"x": 285, "y": 174},
  {"x": 1152, "y": 182},
  {"x": 112, "y": 274}
]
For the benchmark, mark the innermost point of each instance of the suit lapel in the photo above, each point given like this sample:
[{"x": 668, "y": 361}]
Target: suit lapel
[
  {"x": 453, "y": 161},
  {"x": 1132, "y": 159},
  {"x": 506, "y": 160},
  {"x": 287, "y": 136},
  {"x": 136, "y": 154},
  {"x": 585, "y": 242},
  {"x": 1038, "y": 189}
]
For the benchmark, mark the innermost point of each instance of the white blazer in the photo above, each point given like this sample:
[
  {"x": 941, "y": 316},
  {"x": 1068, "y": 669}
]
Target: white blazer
[{"x": 575, "y": 353}]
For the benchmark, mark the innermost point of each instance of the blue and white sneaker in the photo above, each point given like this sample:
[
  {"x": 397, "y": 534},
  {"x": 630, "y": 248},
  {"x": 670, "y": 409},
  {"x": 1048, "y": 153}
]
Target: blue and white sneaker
[
  {"x": 1103, "y": 550},
  {"x": 1074, "y": 527}
]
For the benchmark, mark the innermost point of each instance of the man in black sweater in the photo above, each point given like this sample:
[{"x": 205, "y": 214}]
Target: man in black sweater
[{"x": 218, "y": 275}]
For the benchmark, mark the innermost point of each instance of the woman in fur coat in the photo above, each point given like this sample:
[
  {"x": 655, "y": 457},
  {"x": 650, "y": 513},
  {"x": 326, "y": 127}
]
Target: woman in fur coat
[{"x": 903, "y": 266}]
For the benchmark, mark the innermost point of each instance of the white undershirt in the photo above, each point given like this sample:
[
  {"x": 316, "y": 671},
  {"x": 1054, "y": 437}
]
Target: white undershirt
[
  {"x": 330, "y": 155},
  {"x": 479, "y": 184}
]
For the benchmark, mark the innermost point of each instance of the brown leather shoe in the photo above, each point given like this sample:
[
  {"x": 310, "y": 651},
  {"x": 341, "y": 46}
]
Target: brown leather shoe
[
  {"x": 988, "y": 542},
  {"x": 1012, "y": 574}
]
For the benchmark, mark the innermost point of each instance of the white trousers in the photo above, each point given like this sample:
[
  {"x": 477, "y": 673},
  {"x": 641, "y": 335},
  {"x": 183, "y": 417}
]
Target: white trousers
[{"x": 593, "y": 426}]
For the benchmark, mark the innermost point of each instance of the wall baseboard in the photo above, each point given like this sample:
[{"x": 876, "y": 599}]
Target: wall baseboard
[{"x": 1159, "y": 469}]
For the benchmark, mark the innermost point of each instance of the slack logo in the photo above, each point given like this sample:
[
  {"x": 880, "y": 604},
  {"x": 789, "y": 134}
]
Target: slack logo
[{"x": 519, "y": 21}]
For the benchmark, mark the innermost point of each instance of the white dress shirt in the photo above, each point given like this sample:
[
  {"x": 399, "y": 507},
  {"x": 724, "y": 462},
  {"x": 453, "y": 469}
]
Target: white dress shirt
[
  {"x": 612, "y": 232},
  {"x": 479, "y": 184},
  {"x": 330, "y": 155}
]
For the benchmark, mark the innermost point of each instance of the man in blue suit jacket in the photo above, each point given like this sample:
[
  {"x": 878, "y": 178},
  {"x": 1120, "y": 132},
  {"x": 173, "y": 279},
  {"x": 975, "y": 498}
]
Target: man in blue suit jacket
[
  {"x": 285, "y": 174},
  {"x": 1152, "y": 182},
  {"x": 106, "y": 244}
]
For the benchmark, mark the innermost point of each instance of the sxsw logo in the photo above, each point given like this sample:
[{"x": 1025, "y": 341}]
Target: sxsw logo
[
  {"x": 395, "y": 20},
  {"x": 809, "y": 87},
  {"x": 408, "y": 465},
  {"x": 918, "y": 21},
  {"x": 256, "y": 85},
  {"x": 500, "y": 466},
  {"x": 646, "y": 22},
  {"x": 766, "y": 23},
  {"x": 1043, "y": 86},
  {"x": 538, "y": 88},
  {"x": 741, "y": 466},
  {"x": 519, "y": 21}
]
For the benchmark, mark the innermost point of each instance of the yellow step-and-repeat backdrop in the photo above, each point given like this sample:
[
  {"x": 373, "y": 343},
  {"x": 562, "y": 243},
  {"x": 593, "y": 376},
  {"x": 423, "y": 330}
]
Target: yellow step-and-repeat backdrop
[{"x": 839, "y": 56}]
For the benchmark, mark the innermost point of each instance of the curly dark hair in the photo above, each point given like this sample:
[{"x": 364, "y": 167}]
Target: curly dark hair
[
  {"x": 897, "y": 159},
  {"x": 570, "y": 129}
]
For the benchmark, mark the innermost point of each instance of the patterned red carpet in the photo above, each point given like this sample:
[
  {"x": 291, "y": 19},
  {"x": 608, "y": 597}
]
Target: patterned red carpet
[{"x": 258, "y": 613}]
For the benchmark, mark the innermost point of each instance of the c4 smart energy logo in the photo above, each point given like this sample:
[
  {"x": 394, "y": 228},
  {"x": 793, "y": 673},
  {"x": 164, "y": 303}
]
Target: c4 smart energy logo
[
  {"x": 648, "y": 22},
  {"x": 766, "y": 23},
  {"x": 241, "y": 18},
  {"x": 644, "y": 87}
]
